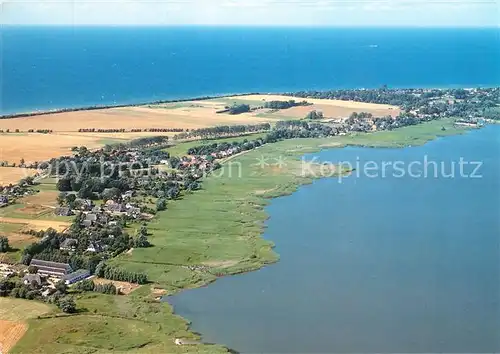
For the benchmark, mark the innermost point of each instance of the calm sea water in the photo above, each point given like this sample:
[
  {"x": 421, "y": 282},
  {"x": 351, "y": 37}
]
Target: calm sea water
[
  {"x": 56, "y": 67},
  {"x": 372, "y": 265}
]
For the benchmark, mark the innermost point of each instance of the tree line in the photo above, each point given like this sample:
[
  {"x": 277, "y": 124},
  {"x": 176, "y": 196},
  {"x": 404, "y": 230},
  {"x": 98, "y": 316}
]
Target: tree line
[
  {"x": 223, "y": 130},
  {"x": 285, "y": 104},
  {"x": 114, "y": 273},
  {"x": 135, "y": 130}
]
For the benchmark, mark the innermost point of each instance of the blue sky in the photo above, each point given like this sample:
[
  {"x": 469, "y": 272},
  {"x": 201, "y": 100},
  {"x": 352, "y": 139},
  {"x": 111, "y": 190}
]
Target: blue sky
[{"x": 424, "y": 13}]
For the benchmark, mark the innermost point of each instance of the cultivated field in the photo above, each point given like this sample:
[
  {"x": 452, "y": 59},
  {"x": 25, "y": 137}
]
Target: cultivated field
[
  {"x": 330, "y": 108},
  {"x": 36, "y": 224},
  {"x": 13, "y": 174},
  {"x": 185, "y": 116},
  {"x": 10, "y": 333},
  {"x": 39, "y": 147},
  {"x": 13, "y": 314},
  {"x": 180, "y": 115}
]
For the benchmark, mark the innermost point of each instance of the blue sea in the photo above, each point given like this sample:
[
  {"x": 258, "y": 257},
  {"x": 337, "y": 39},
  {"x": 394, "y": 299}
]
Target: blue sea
[{"x": 59, "y": 67}]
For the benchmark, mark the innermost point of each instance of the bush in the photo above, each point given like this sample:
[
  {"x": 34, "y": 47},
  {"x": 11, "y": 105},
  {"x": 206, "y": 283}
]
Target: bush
[
  {"x": 4, "y": 244},
  {"x": 67, "y": 304}
]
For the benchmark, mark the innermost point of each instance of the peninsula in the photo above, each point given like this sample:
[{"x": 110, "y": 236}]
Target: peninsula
[{"x": 105, "y": 211}]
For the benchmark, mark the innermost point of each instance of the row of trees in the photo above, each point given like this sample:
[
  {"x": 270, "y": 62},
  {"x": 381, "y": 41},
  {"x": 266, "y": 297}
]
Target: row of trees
[
  {"x": 239, "y": 108},
  {"x": 106, "y": 271},
  {"x": 89, "y": 285},
  {"x": 135, "y": 130},
  {"x": 285, "y": 104},
  {"x": 236, "y": 147},
  {"x": 223, "y": 130},
  {"x": 41, "y": 131}
]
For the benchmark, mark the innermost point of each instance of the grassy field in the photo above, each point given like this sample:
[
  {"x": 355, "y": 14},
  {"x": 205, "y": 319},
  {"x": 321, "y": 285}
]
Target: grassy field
[
  {"x": 34, "y": 212},
  {"x": 222, "y": 224},
  {"x": 207, "y": 234},
  {"x": 14, "y": 314},
  {"x": 134, "y": 324}
]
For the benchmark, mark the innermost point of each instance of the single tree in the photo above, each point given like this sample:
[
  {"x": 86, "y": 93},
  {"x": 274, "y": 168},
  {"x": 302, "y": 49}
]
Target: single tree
[
  {"x": 4, "y": 244},
  {"x": 32, "y": 269},
  {"x": 67, "y": 304},
  {"x": 62, "y": 287}
]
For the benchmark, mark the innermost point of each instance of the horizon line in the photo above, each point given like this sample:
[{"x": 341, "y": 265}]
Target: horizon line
[{"x": 243, "y": 25}]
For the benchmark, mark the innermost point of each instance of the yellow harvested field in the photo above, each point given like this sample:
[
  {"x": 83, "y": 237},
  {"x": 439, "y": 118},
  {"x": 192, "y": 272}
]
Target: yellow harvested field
[
  {"x": 181, "y": 115},
  {"x": 10, "y": 333},
  {"x": 330, "y": 108},
  {"x": 339, "y": 103},
  {"x": 36, "y": 224},
  {"x": 43, "y": 198},
  {"x": 13, "y": 174},
  {"x": 17, "y": 239},
  {"x": 124, "y": 287},
  {"x": 40, "y": 147},
  {"x": 128, "y": 118}
]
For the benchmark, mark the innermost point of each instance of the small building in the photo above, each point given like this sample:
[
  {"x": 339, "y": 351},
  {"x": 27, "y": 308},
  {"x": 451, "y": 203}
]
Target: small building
[
  {"x": 30, "y": 279},
  {"x": 51, "y": 268},
  {"x": 64, "y": 211},
  {"x": 4, "y": 200},
  {"x": 76, "y": 276},
  {"x": 85, "y": 204},
  {"x": 91, "y": 217},
  {"x": 69, "y": 245},
  {"x": 94, "y": 247},
  {"x": 114, "y": 207},
  {"x": 128, "y": 194}
]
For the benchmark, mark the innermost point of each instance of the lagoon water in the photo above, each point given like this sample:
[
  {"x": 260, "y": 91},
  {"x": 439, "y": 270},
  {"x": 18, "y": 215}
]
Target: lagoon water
[
  {"x": 369, "y": 265},
  {"x": 62, "y": 67}
]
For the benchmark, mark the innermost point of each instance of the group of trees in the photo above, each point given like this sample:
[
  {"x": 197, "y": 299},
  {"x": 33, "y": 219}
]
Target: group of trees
[
  {"x": 314, "y": 115},
  {"x": 4, "y": 244},
  {"x": 223, "y": 130},
  {"x": 440, "y": 102},
  {"x": 58, "y": 296},
  {"x": 135, "y": 130},
  {"x": 492, "y": 113},
  {"x": 89, "y": 285},
  {"x": 238, "y": 108},
  {"x": 285, "y": 104},
  {"x": 235, "y": 146},
  {"x": 40, "y": 131},
  {"x": 106, "y": 271}
]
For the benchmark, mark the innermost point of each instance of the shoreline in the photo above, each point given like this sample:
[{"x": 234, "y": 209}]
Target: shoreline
[
  {"x": 216, "y": 96},
  {"x": 123, "y": 105},
  {"x": 286, "y": 191},
  {"x": 242, "y": 239}
]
